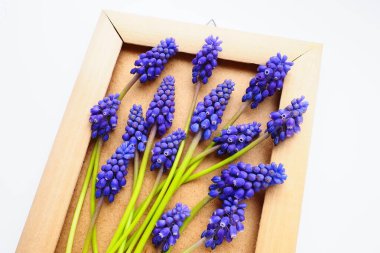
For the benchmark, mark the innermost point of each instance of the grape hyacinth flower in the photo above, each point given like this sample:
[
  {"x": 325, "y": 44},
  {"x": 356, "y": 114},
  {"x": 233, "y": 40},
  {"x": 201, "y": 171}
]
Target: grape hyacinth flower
[
  {"x": 286, "y": 122},
  {"x": 136, "y": 131},
  {"x": 208, "y": 114},
  {"x": 268, "y": 80},
  {"x": 103, "y": 116},
  {"x": 235, "y": 138},
  {"x": 165, "y": 151},
  {"x": 161, "y": 109},
  {"x": 112, "y": 175},
  {"x": 206, "y": 60},
  {"x": 167, "y": 228},
  {"x": 225, "y": 223},
  {"x": 150, "y": 64},
  {"x": 243, "y": 180}
]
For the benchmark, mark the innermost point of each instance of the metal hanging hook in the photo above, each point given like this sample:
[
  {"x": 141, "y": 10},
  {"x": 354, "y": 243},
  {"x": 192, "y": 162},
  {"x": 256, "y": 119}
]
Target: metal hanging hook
[{"x": 211, "y": 21}]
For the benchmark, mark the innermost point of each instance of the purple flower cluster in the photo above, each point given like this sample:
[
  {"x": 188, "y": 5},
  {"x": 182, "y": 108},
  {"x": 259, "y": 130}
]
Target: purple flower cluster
[
  {"x": 206, "y": 60},
  {"x": 286, "y": 122},
  {"x": 240, "y": 181},
  {"x": 236, "y": 138},
  {"x": 167, "y": 228},
  {"x": 103, "y": 117},
  {"x": 165, "y": 151},
  {"x": 225, "y": 223},
  {"x": 161, "y": 109},
  {"x": 208, "y": 114},
  {"x": 136, "y": 131},
  {"x": 243, "y": 180},
  {"x": 112, "y": 175},
  {"x": 150, "y": 64},
  {"x": 268, "y": 80}
]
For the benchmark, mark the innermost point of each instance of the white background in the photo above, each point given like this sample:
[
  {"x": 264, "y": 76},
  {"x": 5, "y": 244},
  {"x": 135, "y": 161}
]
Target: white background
[{"x": 42, "y": 44}]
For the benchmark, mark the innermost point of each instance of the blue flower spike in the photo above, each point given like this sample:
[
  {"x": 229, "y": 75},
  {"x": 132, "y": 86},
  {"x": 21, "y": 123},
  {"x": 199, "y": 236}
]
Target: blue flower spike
[
  {"x": 225, "y": 223},
  {"x": 166, "y": 231},
  {"x": 243, "y": 180},
  {"x": 136, "y": 131},
  {"x": 206, "y": 60},
  {"x": 235, "y": 138},
  {"x": 103, "y": 116},
  {"x": 286, "y": 122},
  {"x": 112, "y": 175},
  {"x": 269, "y": 79},
  {"x": 151, "y": 64},
  {"x": 165, "y": 150},
  {"x": 208, "y": 113},
  {"x": 161, "y": 109}
]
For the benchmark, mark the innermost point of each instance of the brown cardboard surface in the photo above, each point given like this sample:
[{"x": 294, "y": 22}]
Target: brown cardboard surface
[{"x": 190, "y": 194}]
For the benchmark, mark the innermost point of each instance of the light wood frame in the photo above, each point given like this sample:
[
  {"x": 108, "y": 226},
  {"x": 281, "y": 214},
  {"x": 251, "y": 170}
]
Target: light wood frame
[{"x": 282, "y": 206}]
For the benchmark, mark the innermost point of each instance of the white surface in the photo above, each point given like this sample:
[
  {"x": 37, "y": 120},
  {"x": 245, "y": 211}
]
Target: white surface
[{"x": 41, "y": 41}]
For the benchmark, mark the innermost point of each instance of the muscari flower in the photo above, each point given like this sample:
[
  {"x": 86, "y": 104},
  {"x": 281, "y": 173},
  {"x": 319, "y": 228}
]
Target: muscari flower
[
  {"x": 112, "y": 175},
  {"x": 103, "y": 116},
  {"x": 225, "y": 223},
  {"x": 235, "y": 138},
  {"x": 136, "y": 131},
  {"x": 165, "y": 151},
  {"x": 243, "y": 180},
  {"x": 167, "y": 228},
  {"x": 161, "y": 109},
  {"x": 208, "y": 113},
  {"x": 150, "y": 64},
  {"x": 268, "y": 80},
  {"x": 206, "y": 60},
  {"x": 286, "y": 122}
]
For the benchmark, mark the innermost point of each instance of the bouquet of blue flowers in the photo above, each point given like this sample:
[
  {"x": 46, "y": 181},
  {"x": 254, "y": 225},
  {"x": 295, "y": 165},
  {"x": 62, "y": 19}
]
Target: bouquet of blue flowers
[{"x": 237, "y": 183}]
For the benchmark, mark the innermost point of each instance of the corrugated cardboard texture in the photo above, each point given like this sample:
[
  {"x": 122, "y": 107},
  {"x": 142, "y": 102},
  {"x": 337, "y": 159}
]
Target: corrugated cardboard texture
[{"x": 190, "y": 194}]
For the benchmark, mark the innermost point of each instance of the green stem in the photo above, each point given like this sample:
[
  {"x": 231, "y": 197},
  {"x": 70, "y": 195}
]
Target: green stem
[
  {"x": 159, "y": 188},
  {"x": 160, "y": 196},
  {"x": 128, "y": 86},
  {"x": 169, "y": 193},
  {"x": 193, "y": 103},
  {"x": 78, "y": 208},
  {"x": 122, "y": 246},
  {"x": 135, "y": 175},
  {"x": 135, "y": 168},
  {"x": 93, "y": 198},
  {"x": 141, "y": 211},
  {"x": 92, "y": 224},
  {"x": 236, "y": 115},
  {"x": 194, "y": 212},
  {"x": 225, "y": 161},
  {"x": 136, "y": 192},
  {"x": 196, "y": 164},
  {"x": 194, "y": 246},
  {"x": 203, "y": 154},
  {"x": 165, "y": 184}
]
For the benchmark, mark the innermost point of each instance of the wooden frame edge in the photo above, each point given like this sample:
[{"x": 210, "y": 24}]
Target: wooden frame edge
[
  {"x": 42, "y": 228},
  {"x": 253, "y": 48},
  {"x": 282, "y": 205},
  {"x": 281, "y": 212}
]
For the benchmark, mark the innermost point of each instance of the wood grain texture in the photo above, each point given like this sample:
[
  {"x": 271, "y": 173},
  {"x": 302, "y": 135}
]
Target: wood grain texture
[
  {"x": 237, "y": 46},
  {"x": 47, "y": 214},
  {"x": 282, "y": 204}
]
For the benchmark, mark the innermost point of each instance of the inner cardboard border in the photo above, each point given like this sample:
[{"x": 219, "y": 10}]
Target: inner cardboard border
[{"x": 179, "y": 67}]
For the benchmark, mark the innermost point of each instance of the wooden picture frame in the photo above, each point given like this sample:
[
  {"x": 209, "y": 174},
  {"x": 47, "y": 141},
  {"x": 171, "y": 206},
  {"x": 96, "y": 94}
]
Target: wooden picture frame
[{"x": 281, "y": 209}]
